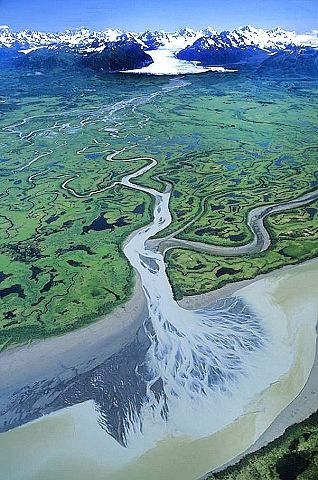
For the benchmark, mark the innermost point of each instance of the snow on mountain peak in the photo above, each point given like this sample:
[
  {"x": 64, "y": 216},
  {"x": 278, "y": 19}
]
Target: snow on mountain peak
[
  {"x": 84, "y": 38},
  {"x": 187, "y": 32},
  {"x": 209, "y": 31},
  {"x": 248, "y": 35}
]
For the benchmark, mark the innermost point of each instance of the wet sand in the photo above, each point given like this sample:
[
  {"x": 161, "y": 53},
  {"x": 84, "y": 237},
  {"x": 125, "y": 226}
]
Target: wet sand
[
  {"x": 94, "y": 343},
  {"x": 305, "y": 403},
  {"x": 298, "y": 410},
  {"x": 202, "y": 300},
  {"x": 69, "y": 444},
  {"x": 77, "y": 350}
]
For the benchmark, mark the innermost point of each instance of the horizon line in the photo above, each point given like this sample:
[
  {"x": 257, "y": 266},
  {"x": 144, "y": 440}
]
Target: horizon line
[{"x": 82, "y": 27}]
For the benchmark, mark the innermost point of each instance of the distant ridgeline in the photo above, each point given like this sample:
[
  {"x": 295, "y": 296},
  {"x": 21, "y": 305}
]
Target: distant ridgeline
[
  {"x": 278, "y": 52},
  {"x": 291, "y": 62},
  {"x": 114, "y": 57}
]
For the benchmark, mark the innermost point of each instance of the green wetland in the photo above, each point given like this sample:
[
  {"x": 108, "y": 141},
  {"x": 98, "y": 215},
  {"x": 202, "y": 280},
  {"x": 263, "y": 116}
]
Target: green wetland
[
  {"x": 292, "y": 456},
  {"x": 224, "y": 143}
]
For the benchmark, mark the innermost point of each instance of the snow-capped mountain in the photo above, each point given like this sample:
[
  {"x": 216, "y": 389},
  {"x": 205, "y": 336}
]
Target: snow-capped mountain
[
  {"x": 26, "y": 38},
  {"x": 82, "y": 37},
  {"x": 243, "y": 44},
  {"x": 207, "y": 38},
  {"x": 176, "y": 40},
  {"x": 257, "y": 37},
  {"x": 271, "y": 40},
  {"x": 85, "y": 38},
  {"x": 159, "y": 52}
]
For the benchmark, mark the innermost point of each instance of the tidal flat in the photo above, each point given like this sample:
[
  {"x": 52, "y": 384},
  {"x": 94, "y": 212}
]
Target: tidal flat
[
  {"x": 76, "y": 440},
  {"x": 95, "y": 181}
]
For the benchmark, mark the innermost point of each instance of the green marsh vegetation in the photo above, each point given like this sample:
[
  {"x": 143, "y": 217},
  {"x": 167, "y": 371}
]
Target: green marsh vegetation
[
  {"x": 61, "y": 260},
  {"x": 226, "y": 143},
  {"x": 290, "y": 457},
  {"x": 294, "y": 235}
]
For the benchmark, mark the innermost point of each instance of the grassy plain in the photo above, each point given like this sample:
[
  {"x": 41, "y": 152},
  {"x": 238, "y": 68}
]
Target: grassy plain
[
  {"x": 294, "y": 236},
  {"x": 227, "y": 143}
]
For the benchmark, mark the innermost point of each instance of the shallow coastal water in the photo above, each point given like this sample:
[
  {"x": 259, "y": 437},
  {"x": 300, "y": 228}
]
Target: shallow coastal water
[
  {"x": 73, "y": 441},
  {"x": 192, "y": 388}
]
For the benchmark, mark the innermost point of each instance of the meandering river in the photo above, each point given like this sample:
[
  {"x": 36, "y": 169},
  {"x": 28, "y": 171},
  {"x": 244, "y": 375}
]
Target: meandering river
[
  {"x": 198, "y": 358},
  {"x": 191, "y": 373}
]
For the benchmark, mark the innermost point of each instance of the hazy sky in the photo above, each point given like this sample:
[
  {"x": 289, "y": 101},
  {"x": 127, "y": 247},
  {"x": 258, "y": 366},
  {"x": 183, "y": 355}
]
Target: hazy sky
[{"x": 139, "y": 15}]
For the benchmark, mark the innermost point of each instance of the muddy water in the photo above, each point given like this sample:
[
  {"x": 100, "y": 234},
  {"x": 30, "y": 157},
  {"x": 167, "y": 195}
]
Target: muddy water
[{"x": 70, "y": 444}]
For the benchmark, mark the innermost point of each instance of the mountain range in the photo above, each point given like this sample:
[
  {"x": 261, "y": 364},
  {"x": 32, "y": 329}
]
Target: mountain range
[
  {"x": 114, "y": 50},
  {"x": 84, "y": 38},
  {"x": 243, "y": 44},
  {"x": 291, "y": 63}
]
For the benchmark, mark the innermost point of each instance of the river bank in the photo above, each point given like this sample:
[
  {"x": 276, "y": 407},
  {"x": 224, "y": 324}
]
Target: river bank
[
  {"x": 192, "y": 302},
  {"x": 68, "y": 440},
  {"x": 91, "y": 344}
]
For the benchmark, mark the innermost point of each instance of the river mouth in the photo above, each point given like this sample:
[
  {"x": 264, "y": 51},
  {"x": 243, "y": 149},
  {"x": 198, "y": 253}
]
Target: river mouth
[
  {"x": 189, "y": 391},
  {"x": 85, "y": 437}
]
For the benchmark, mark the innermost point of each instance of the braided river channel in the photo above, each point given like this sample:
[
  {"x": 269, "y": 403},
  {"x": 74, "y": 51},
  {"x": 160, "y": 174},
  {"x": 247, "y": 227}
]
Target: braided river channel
[{"x": 190, "y": 391}]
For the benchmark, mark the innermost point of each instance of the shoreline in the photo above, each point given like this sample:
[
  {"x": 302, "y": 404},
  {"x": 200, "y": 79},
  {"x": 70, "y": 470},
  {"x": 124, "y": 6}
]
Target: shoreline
[
  {"x": 76, "y": 350},
  {"x": 289, "y": 299},
  {"x": 202, "y": 300},
  {"x": 304, "y": 405}
]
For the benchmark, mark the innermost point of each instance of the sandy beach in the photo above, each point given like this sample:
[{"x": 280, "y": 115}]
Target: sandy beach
[
  {"x": 305, "y": 403},
  {"x": 68, "y": 440}
]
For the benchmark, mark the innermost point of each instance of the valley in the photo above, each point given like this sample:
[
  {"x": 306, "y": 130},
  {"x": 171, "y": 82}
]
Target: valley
[
  {"x": 66, "y": 170},
  {"x": 158, "y": 251}
]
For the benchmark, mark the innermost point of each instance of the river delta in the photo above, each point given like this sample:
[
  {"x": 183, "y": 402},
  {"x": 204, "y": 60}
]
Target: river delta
[{"x": 150, "y": 190}]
